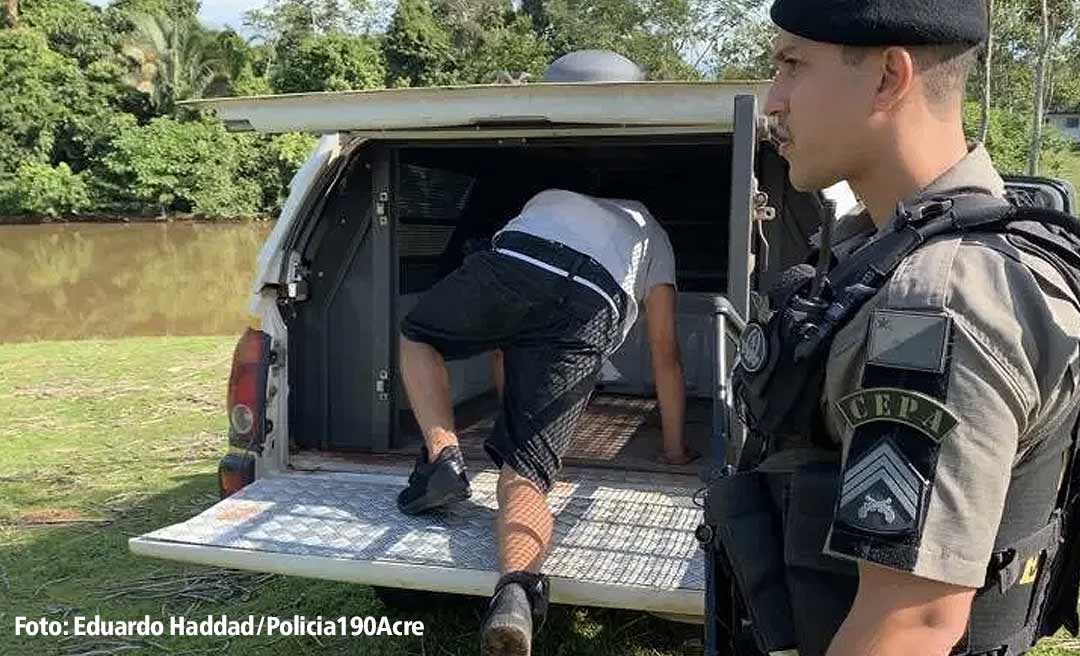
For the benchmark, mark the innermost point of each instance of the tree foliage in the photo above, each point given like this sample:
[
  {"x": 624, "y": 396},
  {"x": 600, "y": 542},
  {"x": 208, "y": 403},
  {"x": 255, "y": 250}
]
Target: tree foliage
[
  {"x": 75, "y": 29},
  {"x": 418, "y": 51},
  {"x": 38, "y": 188},
  {"x": 1008, "y": 139},
  {"x": 653, "y": 33},
  {"x": 277, "y": 159},
  {"x": 37, "y": 84},
  {"x": 89, "y": 101},
  {"x": 189, "y": 166},
  {"x": 174, "y": 9},
  {"x": 489, "y": 40},
  {"x": 290, "y": 21},
  {"x": 330, "y": 62}
]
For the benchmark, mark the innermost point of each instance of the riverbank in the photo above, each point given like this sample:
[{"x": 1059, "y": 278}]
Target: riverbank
[
  {"x": 108, "y": 218},
  {"x": 103, "y": 440}
]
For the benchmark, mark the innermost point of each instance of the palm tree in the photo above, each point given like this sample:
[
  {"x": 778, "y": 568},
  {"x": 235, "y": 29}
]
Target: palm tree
[{"x": 171, "y": 59}]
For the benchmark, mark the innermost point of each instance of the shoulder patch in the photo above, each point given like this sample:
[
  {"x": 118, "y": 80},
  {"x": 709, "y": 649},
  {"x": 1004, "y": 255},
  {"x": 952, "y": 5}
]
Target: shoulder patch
[
  {"x": 882, "y": 492},
  {"x": 908, "y": 340},
  {"x": 919, "y": 411},
  {"x": 754, "y": 348}
]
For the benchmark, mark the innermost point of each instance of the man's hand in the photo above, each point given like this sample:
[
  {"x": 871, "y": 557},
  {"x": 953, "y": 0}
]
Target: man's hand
[
  {"x": 899, "y": 614},
  {"x": 667, "y": 371}
]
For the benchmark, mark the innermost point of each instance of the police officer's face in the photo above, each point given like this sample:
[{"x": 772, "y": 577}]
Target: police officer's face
[{"x": 820, "y": 105}]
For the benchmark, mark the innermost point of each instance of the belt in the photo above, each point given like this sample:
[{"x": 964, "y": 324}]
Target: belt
[{"x": 564, "y": 261}]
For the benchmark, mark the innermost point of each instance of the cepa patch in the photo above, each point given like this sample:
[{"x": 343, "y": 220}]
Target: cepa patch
[{"x": 919, "y": 411}]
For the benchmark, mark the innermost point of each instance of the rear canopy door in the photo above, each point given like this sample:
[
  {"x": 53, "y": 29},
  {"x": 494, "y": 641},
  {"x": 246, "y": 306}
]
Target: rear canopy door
[{"x": 598, "y": 104}]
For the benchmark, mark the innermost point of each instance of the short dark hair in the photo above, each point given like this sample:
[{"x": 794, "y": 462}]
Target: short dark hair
[{"x": 945, "y": 68}]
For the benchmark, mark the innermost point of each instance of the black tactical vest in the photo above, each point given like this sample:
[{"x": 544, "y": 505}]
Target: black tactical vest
[{"x": 1034, "y": 575}]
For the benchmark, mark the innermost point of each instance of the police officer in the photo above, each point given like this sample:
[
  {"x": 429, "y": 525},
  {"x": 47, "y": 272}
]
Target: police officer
[{"x": 918, "y": 498}]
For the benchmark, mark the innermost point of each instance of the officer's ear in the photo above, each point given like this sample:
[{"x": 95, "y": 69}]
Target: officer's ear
[{"x": 897, "y": 71}]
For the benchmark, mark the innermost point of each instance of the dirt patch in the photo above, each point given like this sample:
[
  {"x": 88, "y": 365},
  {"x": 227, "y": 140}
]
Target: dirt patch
[
  {"x": 55, "y": 516},
  {"x": 78, "y": 391}
]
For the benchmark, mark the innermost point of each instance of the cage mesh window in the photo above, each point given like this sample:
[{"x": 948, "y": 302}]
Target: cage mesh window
[{"x": 427, "y": 195}]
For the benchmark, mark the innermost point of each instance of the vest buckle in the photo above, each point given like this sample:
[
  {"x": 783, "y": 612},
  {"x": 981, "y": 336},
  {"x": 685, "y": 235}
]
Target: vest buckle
[{"x": 923, "y": 211}]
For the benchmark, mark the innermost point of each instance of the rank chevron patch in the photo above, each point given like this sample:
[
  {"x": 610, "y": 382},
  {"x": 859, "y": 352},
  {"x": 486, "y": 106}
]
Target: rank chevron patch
[{"x": 882, "y": 492}]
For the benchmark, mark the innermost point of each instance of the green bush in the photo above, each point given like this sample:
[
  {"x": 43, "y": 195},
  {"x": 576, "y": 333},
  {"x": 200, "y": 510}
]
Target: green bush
[
  {"x": 38, "y": 188},
  {"x": 191, "y": 166}
]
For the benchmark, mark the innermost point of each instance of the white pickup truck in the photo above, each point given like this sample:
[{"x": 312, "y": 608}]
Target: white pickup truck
[{"x": 321, "y": 437}]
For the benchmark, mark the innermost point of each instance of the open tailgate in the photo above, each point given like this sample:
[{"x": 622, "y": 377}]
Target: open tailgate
[{"x": 621, "y": 540}]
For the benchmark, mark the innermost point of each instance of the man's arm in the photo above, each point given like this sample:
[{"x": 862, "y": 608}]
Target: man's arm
[
  {"x": 898, "y": 614},
  {"x": 667, "y": 370}
]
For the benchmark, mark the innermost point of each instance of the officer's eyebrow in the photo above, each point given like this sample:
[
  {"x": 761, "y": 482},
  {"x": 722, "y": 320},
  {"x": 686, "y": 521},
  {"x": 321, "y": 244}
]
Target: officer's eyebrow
[{"x": 783, "y": 53}]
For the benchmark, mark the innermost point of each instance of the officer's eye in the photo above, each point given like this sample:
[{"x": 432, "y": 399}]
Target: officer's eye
[{"x": 786, "y": 65}]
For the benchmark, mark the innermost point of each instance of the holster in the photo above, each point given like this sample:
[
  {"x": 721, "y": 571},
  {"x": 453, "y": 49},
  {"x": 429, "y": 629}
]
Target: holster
[
  {"x": 771, "y": 530},
  {"x": 751, "y": 546}
]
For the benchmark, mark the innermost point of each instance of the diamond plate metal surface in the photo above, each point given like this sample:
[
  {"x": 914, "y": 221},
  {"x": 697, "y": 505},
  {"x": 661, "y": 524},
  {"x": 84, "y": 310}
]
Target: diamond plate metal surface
[{"x": 631, "y": 533}]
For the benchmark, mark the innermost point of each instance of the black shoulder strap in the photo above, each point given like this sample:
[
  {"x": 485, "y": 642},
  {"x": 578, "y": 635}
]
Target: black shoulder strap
[
  {"x": 855, "y": 280},
  {"x": 1050, "y": 234},
  {"x": 913, "y": 227}
]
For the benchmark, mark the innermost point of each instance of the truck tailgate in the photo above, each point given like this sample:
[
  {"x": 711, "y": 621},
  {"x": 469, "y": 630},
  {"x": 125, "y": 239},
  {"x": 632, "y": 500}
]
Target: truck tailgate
[{"x": 625, "y": 543}]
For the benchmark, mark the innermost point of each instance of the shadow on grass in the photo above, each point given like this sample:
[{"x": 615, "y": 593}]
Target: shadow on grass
[{"x": 60, "y": 572}]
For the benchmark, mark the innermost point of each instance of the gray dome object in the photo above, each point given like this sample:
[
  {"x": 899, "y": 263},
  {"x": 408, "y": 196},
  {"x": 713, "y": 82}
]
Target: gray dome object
[{"x": 593, "y": 66}]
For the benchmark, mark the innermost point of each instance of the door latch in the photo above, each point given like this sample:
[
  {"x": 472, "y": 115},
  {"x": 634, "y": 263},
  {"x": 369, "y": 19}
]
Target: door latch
[
  {"x": 296, "y": 285},
  {"x": 380, "y": 208},
  {"x": 762, "y": 212},
  {"x": 382, "y": 383}
]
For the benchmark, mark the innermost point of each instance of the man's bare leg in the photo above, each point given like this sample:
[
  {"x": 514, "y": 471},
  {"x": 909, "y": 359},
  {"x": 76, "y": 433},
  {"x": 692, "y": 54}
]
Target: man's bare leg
[
  {"x": 427, "y": 382},
  {"x": 523, "y": 524}
]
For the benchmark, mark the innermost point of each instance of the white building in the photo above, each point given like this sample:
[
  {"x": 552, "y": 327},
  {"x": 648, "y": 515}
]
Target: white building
[{"x": 1067, "y": 122}]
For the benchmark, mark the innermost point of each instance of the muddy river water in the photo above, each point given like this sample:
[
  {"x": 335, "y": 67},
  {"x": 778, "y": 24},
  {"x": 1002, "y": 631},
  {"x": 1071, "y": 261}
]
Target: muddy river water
[{"x": 78, "y": 281}]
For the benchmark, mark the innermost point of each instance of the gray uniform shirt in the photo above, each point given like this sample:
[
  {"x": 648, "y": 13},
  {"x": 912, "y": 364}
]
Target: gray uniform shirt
[
  {"x": 1002, "y": 327},
  {"x": 619, "y": 234}
]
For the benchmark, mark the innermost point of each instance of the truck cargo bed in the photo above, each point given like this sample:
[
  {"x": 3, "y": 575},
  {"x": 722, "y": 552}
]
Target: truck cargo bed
[{"x": 616, "y": 431}]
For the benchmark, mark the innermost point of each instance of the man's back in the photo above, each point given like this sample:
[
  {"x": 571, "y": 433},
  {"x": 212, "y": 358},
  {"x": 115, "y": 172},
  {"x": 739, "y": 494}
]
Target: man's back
[{"x": 619, "y": 234}]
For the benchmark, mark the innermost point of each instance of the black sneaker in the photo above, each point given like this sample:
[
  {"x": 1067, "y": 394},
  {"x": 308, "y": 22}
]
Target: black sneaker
[
  {"x": 435, "y": 484},
  {"x": 519, "y": 603}
]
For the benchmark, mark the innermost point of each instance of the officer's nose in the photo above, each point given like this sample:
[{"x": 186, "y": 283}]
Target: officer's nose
[{"x": 776, "y": 100}]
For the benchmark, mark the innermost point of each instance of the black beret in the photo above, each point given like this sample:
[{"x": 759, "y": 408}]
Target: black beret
[{"x": 884, "y": 22}]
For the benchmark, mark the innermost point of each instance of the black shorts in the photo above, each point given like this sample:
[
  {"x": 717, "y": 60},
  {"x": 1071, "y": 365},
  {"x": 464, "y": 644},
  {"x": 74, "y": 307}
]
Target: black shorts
[{"x": 555, "y": 335}]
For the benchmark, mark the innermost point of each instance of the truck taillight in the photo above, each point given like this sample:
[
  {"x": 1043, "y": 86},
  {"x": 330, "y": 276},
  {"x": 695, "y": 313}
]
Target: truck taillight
[
  {"x": 235, "y": 471},
  {"x": 247, "y": 391}
]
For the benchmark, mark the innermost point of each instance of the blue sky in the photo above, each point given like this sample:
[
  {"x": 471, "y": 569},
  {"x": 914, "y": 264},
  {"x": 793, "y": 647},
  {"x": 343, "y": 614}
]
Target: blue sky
[{"x": 218, "y": 13}]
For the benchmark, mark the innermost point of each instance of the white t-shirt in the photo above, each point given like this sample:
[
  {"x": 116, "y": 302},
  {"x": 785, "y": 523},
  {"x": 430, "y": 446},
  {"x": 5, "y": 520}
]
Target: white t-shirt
[{"x": 619, "y": 234}]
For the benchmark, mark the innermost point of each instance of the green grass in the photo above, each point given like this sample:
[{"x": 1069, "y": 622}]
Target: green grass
[
  {"x": 1070, "y": 169},
  {"x": 116, "y": 438}
]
